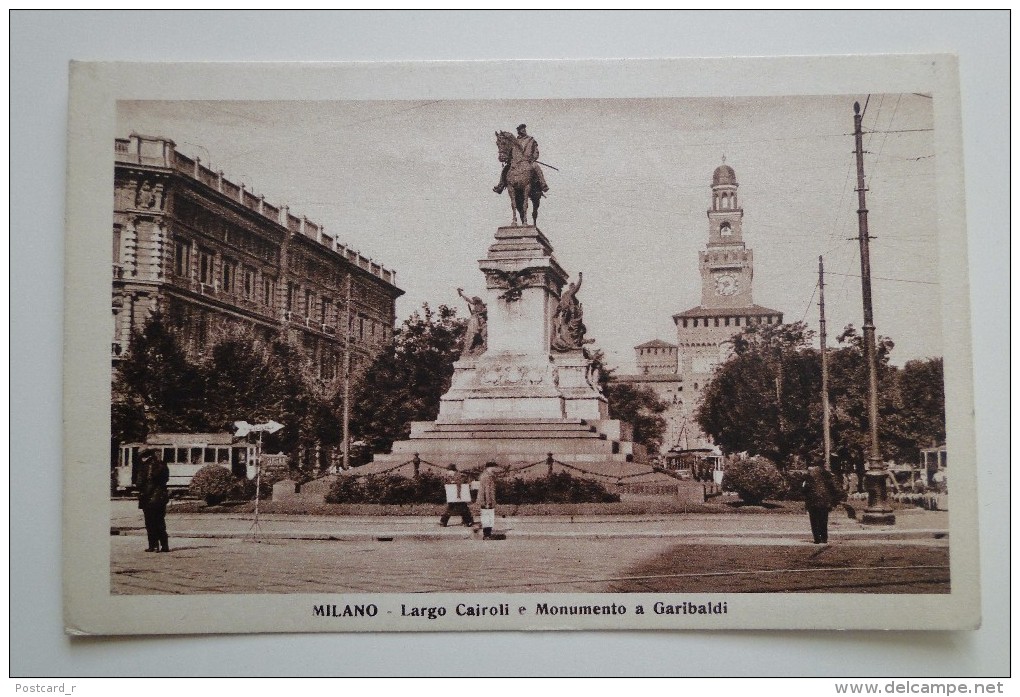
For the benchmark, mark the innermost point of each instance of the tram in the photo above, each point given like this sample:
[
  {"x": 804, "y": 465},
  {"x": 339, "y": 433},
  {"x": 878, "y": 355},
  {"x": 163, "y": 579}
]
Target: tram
[{"x": 185, "y": 454}]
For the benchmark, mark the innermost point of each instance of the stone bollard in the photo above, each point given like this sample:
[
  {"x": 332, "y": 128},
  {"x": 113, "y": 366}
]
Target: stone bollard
[{"x": 417, "y": 464}]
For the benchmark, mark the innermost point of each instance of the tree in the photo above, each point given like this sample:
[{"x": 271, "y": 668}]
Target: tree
[
  {"x": 244, "y": 377},
  {"x": 923, "y": 402},
  {"x": 639, "y": 406},
  {"x": 848, "y": 396},
  {"x": 157, "y": 389},
  {"x": 764, "y": 399},
  {"x": 407, "y": 379}
]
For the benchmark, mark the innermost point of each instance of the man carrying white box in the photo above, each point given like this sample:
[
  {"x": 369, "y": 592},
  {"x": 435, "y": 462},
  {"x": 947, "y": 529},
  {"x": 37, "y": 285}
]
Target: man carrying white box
[{"x": 458, "y": 496}]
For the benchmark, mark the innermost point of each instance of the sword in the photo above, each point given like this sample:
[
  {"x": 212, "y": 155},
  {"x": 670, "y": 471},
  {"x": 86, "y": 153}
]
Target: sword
[{"x": 549, "y": 166}]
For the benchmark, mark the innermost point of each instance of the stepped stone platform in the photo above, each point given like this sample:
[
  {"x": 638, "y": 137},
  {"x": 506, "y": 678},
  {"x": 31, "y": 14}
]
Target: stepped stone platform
[{"x": 472, "y": 443}]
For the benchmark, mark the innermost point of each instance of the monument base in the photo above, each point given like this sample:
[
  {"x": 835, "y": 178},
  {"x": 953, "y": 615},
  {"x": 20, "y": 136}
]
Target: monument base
[{"x": 513, "y": 443}]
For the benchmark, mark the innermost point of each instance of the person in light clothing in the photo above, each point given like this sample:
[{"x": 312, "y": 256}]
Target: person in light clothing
[
  {"x": 487, "y": 498},
  {"x": 456, "y": 504}
]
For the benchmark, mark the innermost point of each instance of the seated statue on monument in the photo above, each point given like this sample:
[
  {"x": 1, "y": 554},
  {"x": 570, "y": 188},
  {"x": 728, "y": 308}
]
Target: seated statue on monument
[
  {"x": 476, "y": 336},
  {"x": 568, "y": 328}
]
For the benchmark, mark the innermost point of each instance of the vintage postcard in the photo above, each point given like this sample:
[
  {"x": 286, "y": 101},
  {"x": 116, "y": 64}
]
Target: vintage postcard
[{"x": 657, "y": 344}]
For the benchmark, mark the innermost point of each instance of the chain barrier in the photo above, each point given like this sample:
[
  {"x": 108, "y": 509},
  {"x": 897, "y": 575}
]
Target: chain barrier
[
  {"x": 509, "y": 469},
  {"x": 385, "y": 471}
]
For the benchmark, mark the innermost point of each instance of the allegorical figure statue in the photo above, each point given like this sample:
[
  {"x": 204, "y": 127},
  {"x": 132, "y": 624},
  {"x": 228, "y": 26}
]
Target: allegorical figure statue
[
  {"x": 522, "y": 176},
  {"x": 568, "y": 320},
  {"x": 476, "y": 336}
]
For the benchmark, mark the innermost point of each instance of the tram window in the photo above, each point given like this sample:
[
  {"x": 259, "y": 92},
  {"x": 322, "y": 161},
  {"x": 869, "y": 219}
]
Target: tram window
[
  {"x": 210, "y": 455},
  {"x": 168, "y": 455},
  {"x": 196, "y": 456},
  {"x": 223, "y": 455}
]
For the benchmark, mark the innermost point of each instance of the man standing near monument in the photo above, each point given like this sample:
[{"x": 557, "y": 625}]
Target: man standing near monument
[
  {"x": 530, "y": 148},
  {"x": 487, "y": 498}
]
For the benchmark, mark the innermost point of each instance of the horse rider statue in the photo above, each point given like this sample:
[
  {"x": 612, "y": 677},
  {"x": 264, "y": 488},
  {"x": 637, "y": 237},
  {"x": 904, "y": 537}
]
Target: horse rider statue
[{"x": 530, "y": 147}]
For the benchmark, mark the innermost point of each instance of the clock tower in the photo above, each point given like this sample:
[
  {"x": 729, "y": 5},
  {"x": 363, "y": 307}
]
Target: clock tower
[
  {"x": 727, "y": 266},
  {"x": 705, "y": 333}
]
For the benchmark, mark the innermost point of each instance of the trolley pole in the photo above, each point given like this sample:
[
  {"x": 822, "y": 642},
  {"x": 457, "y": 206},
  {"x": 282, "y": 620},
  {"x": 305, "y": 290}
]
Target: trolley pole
[
  {"x": 826, "y": 436},
  {"x": 878, "y": 511}
]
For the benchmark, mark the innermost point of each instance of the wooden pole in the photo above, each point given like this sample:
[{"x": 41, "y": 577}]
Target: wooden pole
[
  {"x": 826, "y": 436},
  {"x": 878, "y": 511}
]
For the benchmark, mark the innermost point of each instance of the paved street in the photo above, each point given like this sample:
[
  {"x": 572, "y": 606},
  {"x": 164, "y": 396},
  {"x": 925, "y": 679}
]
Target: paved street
[{"x": 216, "y": 553}]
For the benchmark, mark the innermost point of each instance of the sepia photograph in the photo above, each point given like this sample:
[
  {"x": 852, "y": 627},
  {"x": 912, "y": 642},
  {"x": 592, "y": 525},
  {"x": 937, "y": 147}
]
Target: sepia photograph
[{"x": 439, "y": 360}]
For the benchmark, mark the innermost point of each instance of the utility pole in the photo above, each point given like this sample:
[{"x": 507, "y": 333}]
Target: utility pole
[
  {"x": 878, "y": 511},
  {"x": 347, "y": 378},
  {"x": 826, "y": 437}
]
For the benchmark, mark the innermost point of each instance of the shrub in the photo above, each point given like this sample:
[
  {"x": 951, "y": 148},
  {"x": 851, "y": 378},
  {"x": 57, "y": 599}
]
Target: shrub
[
  {"x": 214, "y": 484},
  {"x": 754, "y": 479},
  {"x": 388, "y": 489},
  {"x": 556, "y": 488},
  {"x": 428, "y": 488}
]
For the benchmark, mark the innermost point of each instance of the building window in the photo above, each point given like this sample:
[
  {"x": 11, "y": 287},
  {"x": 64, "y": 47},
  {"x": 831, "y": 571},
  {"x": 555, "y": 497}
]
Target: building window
[
  {"x": 292, "y": 291},
  {"x": 361, "y": 327},
  {"x": 229, "y": 275},
  {"x": 717, "y": 321},
  {"x": 116, "y": 244},
  {"x": 248, "y": 286},
  {"x": 327, "y": 311},
  {"x": 205, "y": 266},
  {"x": 268, "y": 291},
  {"x": 182, "y": 258},
  {"x": 727, "y": 321},
  {"x": 309, "y": 303}
]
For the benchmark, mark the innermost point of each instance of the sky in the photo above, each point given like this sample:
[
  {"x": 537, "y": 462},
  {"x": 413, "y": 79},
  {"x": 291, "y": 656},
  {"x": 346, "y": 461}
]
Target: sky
[{"x": 408, "y": 183}]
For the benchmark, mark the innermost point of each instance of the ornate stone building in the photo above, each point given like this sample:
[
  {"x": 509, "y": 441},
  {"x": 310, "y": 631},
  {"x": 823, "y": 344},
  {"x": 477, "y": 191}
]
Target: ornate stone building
[
  {"x": 209, "y": 254},
  {"x": 705, "y": 332}
]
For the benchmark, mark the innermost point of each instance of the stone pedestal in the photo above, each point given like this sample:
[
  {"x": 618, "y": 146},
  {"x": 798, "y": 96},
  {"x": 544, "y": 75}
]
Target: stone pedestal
[{"x": 519, "y": 400}]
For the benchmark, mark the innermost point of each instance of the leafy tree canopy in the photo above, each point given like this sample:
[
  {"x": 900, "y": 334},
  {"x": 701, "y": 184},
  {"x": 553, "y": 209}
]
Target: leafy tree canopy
[
  {"x": 158, "y": 388},
  {"x": 641, "y": 407},
  {"x": 407, "y": 379},
  {"x": 766, "y": 399}
]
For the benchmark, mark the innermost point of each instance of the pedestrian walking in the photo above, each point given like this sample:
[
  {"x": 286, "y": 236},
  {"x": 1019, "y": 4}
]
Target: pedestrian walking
[
  {"x": 821, "y": 495},
  {"x": 153, "y": 498},
  {"x": 487, "y": 498},
  {"x": 458, "y": 496}
]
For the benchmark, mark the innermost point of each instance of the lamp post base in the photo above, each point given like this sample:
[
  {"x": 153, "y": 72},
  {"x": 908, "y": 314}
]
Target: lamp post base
[{"x": 878, "y": 511}]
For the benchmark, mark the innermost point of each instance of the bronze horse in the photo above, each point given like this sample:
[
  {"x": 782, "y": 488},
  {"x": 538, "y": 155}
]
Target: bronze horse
[{"x": 520, "y": 179}]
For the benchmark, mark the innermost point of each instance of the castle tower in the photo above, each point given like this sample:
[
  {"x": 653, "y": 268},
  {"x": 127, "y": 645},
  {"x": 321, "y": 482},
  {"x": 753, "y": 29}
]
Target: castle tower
[
  {"x": 705, "y": 332},
  {"x": 727, "y": 266}
]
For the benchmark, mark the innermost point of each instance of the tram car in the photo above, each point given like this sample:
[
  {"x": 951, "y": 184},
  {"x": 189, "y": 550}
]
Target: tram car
[{"x": 185, "y": 454}]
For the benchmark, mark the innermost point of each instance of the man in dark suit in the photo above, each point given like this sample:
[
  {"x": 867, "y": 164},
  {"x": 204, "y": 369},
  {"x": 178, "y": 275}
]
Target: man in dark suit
[
  {"x": 820, "y": 496},
  {"x": 153, "y": 498}
]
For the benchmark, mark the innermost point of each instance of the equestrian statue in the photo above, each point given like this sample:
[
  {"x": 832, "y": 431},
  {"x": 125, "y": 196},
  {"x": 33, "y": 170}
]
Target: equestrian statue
[{"x": 522, "y": 176}]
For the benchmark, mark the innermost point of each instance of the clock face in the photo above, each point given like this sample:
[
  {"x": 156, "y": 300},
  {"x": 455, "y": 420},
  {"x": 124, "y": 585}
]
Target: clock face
[{"x": 726, "y": 284}]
